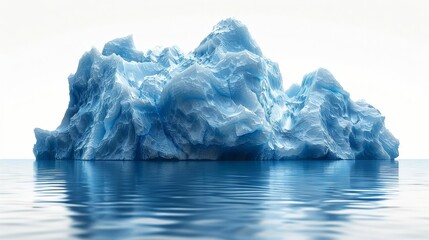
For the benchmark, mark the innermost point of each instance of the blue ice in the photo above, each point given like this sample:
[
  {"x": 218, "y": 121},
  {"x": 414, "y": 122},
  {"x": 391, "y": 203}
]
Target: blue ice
[{"x": 224, "y": 100}]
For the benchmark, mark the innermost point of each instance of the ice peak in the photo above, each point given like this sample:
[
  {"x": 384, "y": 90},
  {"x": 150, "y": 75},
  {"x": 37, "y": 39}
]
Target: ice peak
[
  {"x": 123, "y": 47},
  {"x": 322, "y": 79},
  {"x": 228, "y": 25},
  {"x": 229, "y": 35}
]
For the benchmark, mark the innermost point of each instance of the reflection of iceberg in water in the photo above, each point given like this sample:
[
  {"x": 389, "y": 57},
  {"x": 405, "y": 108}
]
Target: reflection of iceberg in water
[
  {"x": 215, "y": 199},
  {"x": 325, "y": 195}
]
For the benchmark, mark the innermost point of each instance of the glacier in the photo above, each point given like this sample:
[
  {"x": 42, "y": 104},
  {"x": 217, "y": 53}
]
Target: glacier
[{"x": 224, "y": 100}]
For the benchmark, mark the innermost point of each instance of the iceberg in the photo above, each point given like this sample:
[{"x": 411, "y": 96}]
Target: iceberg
[{"x": 224, "y": 100}]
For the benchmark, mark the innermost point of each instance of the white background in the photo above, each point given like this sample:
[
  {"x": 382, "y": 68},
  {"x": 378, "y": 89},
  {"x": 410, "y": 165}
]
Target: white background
[{"x": 377, "y": 49}]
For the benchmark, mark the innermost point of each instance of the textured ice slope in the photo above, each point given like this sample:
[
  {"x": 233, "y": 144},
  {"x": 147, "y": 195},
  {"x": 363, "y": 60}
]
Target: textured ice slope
[{"x": 224, "y": 100}]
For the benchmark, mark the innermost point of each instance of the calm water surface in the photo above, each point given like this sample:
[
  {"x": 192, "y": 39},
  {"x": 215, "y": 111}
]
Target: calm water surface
[{"x": 214, "y": 200}]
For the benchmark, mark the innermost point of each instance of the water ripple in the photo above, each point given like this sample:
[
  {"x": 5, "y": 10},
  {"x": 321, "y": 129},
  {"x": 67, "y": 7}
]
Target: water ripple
[{"x": 213, "y": 200}]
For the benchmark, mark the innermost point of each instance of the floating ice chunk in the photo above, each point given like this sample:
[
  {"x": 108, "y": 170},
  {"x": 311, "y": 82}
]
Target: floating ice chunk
[{"x": 222, "y": 101}]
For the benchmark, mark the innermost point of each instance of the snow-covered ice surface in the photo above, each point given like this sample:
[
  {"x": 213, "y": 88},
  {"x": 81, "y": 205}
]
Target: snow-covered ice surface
[{"x": 224, "y": 100}]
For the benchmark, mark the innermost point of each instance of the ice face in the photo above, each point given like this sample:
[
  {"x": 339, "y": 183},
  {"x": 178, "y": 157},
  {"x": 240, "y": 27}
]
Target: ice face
[{"x": 222, "y": 101}]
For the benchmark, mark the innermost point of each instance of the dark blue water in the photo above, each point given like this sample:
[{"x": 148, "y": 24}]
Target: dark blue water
[{"x": 214, "y": 200}]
